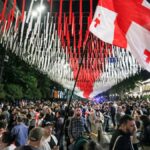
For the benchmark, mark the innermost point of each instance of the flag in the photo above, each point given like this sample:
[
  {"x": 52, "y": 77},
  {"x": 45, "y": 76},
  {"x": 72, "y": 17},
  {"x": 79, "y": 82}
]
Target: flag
[{"x": 125, "y": 24}]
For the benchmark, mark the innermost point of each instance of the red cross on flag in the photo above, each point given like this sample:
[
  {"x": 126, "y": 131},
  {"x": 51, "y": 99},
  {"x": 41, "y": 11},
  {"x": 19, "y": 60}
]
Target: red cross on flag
[{"x": 125, "y": 24}]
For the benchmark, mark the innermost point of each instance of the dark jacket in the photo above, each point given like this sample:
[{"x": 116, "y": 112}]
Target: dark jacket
[
  {"x": 145, "y": 137},
  {"x": 120, "y": 141},
  {"x": 27, "y": 147}
]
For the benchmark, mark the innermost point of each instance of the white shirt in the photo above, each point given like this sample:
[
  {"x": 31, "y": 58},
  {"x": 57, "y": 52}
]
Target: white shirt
[
  {"x": 11, "y": 147},
  {"x": 44, "y": 142},
  {"x": 44, "y": 145}
]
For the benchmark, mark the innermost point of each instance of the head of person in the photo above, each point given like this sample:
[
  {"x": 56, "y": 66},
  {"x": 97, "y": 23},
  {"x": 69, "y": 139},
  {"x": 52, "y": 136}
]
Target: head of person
[
  {"x": 7, "y": 139},
  {"x": 48, "y": 128},
  {"x": 127, "y": 124},
  {"x": 35, "y": 136},
  {"x": 145, "y": 120},
  {"x": 48, "y": 110},
  {"x": 19, "y": 119},
  {"x": 97, "y": 108},
  {"x": 78, "y": 112},
  {"x": 58, "y": 114}
]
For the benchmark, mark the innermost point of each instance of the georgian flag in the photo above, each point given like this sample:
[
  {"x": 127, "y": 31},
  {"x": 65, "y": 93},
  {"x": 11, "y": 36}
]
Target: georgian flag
[{"x": 125, "y": 24}]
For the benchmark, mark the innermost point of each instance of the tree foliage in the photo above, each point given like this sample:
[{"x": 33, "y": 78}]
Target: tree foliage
[
  {"x": 21, "y": 80},
  {"x": 2, "y": 92},
  {"x": 129, "y": 83},
  {"x": 13, "y": 91}
]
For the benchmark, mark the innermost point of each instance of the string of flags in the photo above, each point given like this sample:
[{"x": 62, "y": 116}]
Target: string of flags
[{"x": 54, "y": 44}]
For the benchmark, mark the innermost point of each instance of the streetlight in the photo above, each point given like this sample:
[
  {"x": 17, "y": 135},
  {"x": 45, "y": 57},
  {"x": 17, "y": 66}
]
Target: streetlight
[
  {"x": 38, "y": 11},
  {"x": 40, "y": 8},
  {"x": 34, "y": 14}
]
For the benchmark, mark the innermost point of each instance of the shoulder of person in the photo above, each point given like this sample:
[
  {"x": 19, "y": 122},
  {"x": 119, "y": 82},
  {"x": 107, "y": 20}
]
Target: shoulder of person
[
  {"x": 45, "y": 146},
  {"x": 11, "y": 147},
  {"x": 55, "y": 139},
  {"x": 26, "y": 147}
]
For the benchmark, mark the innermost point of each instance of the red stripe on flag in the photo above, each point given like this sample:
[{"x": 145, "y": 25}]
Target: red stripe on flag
[
  {"x": 21, "y": 17},
  {"x": 11, "y": 15},
  {"x": 106, "y": 4},
  {"x": 73, "y": 24},
  {"x": 65, "y": 23},
  {"x": 51, "y": 5},
  {"x": 60, "y": 17},
  {"x": 147, "y": 53},
  {"x": 70, "y": 11},
  {"x": 2, "y": 15},
  {"x": 119, "y": 38}
]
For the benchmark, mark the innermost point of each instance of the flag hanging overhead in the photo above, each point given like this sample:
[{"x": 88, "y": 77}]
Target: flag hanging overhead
[
  {"x": 125, "y": 24},
  {"x": 54, "y": 43}
]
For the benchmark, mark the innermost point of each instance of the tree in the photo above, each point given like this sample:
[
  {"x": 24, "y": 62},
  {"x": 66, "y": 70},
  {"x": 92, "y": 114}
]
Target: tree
[
  {"x": 13, "y": 91},
  {"x": 20, "y": 80},
  {"x": 2, "y": 92}
]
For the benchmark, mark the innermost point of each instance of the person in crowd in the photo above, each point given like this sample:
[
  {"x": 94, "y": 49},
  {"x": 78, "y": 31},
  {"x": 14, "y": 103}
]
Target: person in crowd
[
  {"x": 41, "y": 118},
  {"x": 97, "y": 120},
  {"x": 106, "y": 114},
  {"x": 20, "y": 132},
  {"x": 128, "y": 109},
  {"x": 58, "y": 124},
  {"x": 31, "y": 122},
  {"x": 35, "y": 137},
  {"x": 67, "y": 122},
  {"x": 5, "y": 112},
  {"x": 113, "y": 111},
  {"x": 49, "y": 116},
  {"x": 77, "y": 126},
  {"x": 8, "y": 143},
  {"x": 13, "y": 116},
  {"x": 87, "y": 117},
  {"x": 90, "y": 118},
  {"x": 49, "y": 141},
  {"x": 32, "y": 111},
  {"x": 121, "y": 139},
  {"x": 3, "y": 128},
  {"x": 145, "y": 135}
]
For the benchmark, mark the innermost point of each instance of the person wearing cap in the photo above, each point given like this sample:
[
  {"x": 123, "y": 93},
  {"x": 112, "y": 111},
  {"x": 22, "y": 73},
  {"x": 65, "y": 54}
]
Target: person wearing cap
[
  {"x": 49, "y": 137},
  {"x": 35, "y": 137}
]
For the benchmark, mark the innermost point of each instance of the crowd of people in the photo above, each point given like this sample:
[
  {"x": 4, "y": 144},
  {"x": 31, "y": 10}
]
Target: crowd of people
[{"x": 45, "y": 125}]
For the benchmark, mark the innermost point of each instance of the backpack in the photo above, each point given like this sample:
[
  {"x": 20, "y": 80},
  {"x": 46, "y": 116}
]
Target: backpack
[{"x": 80, "y": 143}]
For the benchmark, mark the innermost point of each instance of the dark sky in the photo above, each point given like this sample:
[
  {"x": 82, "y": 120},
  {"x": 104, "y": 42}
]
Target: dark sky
[{"x": 65, "y": 5}]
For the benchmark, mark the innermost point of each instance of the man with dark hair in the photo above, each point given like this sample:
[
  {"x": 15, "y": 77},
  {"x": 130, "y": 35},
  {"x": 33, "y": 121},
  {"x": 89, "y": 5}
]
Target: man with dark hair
[
  {"x": 7, "y": 143},
  {"x": 77, "y": 126},
  {"x": 121, "y": 139},
  {"x": 20, "y": 132}
]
